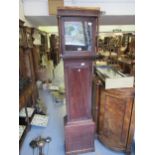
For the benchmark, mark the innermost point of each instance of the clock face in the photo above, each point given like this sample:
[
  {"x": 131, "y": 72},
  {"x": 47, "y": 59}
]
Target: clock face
[{"x": 78, "y": 36}]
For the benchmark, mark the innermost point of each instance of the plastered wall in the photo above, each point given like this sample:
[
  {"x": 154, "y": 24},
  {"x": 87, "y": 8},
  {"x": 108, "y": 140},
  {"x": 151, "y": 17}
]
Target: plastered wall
[{"x": 21, "y": 15}]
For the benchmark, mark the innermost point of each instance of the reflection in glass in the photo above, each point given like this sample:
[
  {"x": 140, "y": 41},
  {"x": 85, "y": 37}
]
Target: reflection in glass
[
  {"x": 109, "y": 72},
  {"x": 78, "y": 36}
]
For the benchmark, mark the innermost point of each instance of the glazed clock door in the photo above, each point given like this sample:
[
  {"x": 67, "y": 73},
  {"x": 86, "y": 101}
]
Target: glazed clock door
[
  {"x": 115, "y": 112},
  {"x": 78, "y": 35}
]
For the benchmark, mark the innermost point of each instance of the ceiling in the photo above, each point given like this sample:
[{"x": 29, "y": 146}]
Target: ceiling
[
  {"x": 104, "y": 20},
  {"x": 115, "y": 12}
]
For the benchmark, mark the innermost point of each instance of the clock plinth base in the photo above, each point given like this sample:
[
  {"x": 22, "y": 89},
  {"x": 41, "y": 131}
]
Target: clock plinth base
[{"x": 79, "y": 137}]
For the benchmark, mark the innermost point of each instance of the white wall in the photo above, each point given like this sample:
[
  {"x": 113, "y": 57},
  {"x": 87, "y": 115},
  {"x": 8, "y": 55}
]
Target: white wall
[
  {"x": 36, "y": 7},
  {"x": 111, "y": 7},
  {"x": 21, "y": 15}
]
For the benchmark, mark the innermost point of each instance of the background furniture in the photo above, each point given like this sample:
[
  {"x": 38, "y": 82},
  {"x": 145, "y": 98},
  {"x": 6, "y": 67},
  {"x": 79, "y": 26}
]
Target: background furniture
[
  {"x": 118, "y": 50},
  {"x": 54, "y": 50},
  {"x": 27, "y": 87},
  {"x": 113, "y": 112}
]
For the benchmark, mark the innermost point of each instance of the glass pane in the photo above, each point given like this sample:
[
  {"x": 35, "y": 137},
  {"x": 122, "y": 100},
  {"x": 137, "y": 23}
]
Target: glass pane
[{"x": 78, "y": 36}]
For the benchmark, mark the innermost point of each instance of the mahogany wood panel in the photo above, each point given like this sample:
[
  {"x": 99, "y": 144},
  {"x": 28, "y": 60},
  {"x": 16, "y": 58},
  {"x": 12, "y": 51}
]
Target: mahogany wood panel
[
  {"x": 79, "y": 11},
  {"x": 78, "y": 81},
  {"x": 79, "y": 137},
  {"x": 95, "y": 101}
]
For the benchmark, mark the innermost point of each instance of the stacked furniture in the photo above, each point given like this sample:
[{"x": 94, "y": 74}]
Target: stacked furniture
[
  {"x": 119, "y": 51},
  {"x": 27, "y": 84}
]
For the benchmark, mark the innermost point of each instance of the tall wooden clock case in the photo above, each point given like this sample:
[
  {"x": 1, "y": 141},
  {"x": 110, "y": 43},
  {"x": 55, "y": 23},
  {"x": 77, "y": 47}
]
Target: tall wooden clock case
[{"x": 78, "y": 28}]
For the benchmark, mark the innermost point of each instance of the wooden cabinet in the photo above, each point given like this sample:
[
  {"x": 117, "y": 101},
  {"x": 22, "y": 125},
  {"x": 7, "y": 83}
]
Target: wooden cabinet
[
  {"x": 54, "y": 49},
  {"x": 25, "y": 97},
  {"x": 127, "y": 66},
  {"x": 44, "y": 42},
  {"x": 55, "y": 56},
  {"x": 22, "y": 66},
  {"x": 78, "y": 28},
  {"x": 27, "y": 84},
  {"x": 28, "y": 61},
  {"x": 22, "y": 34},
  {"x": 27, "y": 87},
  {"x": 113, "y": 113},
  {"x": 36, "y": 59},
  {"x": 26, "y": 100},
  {"x": 26, "y": 67},
  {"x": 29, "y": 40},
  {"x": 53, "y": 41}
]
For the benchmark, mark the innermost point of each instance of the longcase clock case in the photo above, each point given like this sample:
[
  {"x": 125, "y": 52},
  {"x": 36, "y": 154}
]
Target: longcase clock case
[{"x": 78, "y": 29}]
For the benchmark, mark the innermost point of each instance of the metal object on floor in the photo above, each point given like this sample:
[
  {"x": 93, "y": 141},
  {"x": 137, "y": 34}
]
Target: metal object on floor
[{"x": 39, "y": 143}]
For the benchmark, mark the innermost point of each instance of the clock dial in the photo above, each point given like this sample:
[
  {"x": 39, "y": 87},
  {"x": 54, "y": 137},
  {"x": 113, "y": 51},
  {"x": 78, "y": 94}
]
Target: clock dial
[{"x": 78, "y": 36}]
